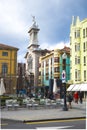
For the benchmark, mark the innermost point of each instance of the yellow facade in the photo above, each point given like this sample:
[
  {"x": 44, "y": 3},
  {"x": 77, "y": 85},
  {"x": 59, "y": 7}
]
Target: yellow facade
[
  {"x": 49, "y": 67},
  {"x": 8, "y": 64},
  {"x": 78, "y": 45},
  {"x": 45, "y": 68}
]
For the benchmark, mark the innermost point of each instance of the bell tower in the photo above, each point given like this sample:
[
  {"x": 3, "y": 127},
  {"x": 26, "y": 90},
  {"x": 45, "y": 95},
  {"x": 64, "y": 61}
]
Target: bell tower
[{"x": 33, "y": 34}]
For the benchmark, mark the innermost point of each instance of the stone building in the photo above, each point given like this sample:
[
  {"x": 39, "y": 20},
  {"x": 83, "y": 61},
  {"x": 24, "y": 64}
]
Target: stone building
[{"x": 33, "y": 54}]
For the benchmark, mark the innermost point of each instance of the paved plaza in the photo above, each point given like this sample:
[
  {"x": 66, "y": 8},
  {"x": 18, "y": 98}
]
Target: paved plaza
[{"x": 25, "y": 114}]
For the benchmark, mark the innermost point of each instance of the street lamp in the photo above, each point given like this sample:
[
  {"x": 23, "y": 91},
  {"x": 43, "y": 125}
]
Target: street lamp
[
  {"x": 17, "y": 85},
  {"x": 64, "y": 56}
]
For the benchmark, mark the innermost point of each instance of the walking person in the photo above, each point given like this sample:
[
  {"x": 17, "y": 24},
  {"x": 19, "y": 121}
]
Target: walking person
[
  {"x": 76, "y": 97},
  {"x": 81, "y": 97},
  {"x": 69, "y": 99}
]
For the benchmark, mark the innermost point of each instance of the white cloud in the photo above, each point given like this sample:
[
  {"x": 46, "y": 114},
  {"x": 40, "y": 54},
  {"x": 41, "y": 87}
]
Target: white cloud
[
  {"x": 10, "y": 19},
  {"x": 58, "y": 45}
]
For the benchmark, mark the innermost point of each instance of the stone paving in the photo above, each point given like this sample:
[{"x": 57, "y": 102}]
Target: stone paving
[{"x": 25, "y": 114}]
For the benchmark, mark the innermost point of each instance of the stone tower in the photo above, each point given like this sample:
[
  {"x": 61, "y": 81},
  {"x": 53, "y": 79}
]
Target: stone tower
[{"x": 32, "y": 56}]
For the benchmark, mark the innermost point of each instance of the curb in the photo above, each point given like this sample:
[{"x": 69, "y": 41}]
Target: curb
[
  {"x": 60, "y": 119},
  {"x": 43, "y": 120}
]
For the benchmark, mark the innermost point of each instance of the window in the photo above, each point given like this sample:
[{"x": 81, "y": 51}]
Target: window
[
  {"x": 47, "y": 62},
  {"x": 39, "y": 65},
  {"x": 75, "y": 75},
  {"x": 84, "y": 75},
  {"x": 56, "y": 59},
  {"x": 47, "y": 78},
  {"x": 83, "y": 33},
  {"x": 35, "y": 35},
  {"x": 56, "y": 69},
  {"x": 39, "y": 73},
  {"x": 47, "y": 71},
  {"x": 77, "y": 34},
  {"x": 84, "y": 61},
  {"x": 77, "y": 47},
  {"x": 84, "y": 46},
  {"x": 77, "y": 59},
  {"x": 4, "y": 53},
  {"x": 4, "y": 68},
  {"x": 51, "y": 61}
]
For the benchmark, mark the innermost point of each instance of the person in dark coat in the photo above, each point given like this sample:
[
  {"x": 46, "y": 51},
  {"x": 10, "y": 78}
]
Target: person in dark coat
[
  {"x": 69, "y": 99},
  {"x": 81, "y": 97}
]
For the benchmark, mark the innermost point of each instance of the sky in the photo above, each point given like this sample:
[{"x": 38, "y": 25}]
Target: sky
[{"x": 53, "y": 17}]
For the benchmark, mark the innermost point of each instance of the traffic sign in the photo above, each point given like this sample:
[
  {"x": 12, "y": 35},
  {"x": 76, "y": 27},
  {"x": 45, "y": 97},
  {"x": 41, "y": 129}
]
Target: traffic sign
[{"x": 63, "y": 76}]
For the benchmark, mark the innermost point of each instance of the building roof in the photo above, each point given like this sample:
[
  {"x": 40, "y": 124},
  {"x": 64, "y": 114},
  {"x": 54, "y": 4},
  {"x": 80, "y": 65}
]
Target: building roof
[
  {"x": 65, "y": 49},
  {"x": 7, "y": 47}
]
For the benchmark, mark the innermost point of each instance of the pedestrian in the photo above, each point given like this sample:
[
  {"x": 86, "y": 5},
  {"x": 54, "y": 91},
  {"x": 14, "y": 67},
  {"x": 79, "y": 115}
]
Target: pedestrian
[
  {"x": 76, "y": 97},
  {"x": 81, "y": 97},
  {"x": 69, "y": 99}
]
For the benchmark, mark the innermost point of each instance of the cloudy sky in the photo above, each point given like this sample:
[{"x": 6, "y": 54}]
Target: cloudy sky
[{"x": 52, "y": 16}]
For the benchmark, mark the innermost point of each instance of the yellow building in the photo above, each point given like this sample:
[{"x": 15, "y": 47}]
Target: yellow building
[
  {"x": 52, "y": 66},
  {"x": 78, "y": 45},
  {"x": 8, "y": 64},
  {"x": 46, "y": 69}
]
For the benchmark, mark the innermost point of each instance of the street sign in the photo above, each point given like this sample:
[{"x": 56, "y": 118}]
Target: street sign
[{"x": 63, "y": 76}]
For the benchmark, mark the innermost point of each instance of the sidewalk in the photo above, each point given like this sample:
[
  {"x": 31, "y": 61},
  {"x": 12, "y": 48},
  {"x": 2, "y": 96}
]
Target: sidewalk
[{"x": 25, "y": 114}]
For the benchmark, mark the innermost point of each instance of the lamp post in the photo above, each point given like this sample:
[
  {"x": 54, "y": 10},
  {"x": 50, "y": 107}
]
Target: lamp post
[
  {"x": 17, "y": 85},
  {"x": 64, "y": 56}
]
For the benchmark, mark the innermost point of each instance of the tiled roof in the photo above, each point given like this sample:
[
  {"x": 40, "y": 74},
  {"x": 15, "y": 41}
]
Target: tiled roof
[
  {"x": 7, "y": 47},
  {"x": 66, "y": 49}
]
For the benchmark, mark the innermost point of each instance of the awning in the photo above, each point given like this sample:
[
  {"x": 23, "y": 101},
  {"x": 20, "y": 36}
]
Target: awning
[
  {"x": 83, "y": 87},
  {"x": 70, "y": 87},
  {"x": 78, "y": 87}
]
